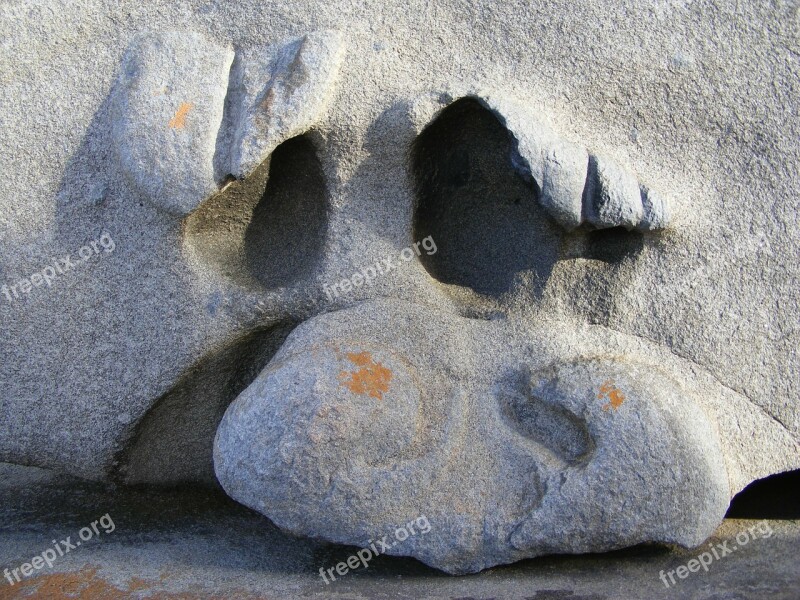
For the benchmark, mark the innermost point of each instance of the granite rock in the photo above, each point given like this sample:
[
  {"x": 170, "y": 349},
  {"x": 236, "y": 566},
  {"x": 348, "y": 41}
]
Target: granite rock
[
  {"x": 279, "y": 93},
  {"x": 167, "y": 113},
  {"x": 353, "y": 431},
  {"x": 121, "y": 366}
]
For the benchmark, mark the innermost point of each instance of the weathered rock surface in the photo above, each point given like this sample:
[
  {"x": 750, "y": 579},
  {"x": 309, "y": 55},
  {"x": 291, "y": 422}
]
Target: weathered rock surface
[
  {"x": 279, "y": 93},
  {"x": 166, "y": 116},
  {"x": 613, "y": 196},
  {"x": 561, "y": 442},
  {"x": 122, "y": 365}
]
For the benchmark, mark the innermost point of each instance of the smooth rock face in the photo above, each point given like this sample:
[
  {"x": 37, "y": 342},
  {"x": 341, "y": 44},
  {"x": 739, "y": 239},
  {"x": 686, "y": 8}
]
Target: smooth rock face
[
  {"x": 506, "y": 458},
  {"x": 167, "y": 113}
]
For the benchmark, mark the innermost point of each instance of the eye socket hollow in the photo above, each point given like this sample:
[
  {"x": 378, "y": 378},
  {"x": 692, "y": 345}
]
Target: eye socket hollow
[
  {"x": 477, "y": 202},
  {"x": 554, "y": 427},
  {"x": 268, "y": 230}
]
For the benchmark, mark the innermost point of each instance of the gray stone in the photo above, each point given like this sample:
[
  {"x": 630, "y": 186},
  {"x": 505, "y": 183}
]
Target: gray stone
[
  {"x": 655, "y": 210},
  {"x": 121, "y": 367},
  {"x": 353, "y": 431},
  {"x": 167, "y": 112},
  {"x": 279, "y": 93},
  {"x": 613, "y": 196}
]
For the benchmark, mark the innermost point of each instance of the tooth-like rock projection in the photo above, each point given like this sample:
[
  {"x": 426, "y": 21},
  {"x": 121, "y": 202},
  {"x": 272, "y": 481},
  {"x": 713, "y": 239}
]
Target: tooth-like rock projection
[
  {"x": 574, "y": 186},
  {"x": 167, "y": 110},
  {"x": 354, "y": 429},
  {"x": 656, "y": 210},
  {"x": 613, "y": 196},
  {"x": 187, "y": 113},
  {"x": 278, "y": 93}
]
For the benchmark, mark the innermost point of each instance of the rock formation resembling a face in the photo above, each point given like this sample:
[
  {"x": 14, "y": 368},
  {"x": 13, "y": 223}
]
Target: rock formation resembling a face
[
  {"x": 385, "y": 307},
  {"x": 511, "y": 435}
]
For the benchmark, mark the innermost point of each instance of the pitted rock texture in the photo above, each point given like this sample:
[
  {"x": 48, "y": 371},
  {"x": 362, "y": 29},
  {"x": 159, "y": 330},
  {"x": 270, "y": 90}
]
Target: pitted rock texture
[
  {"x": 122, "y": 368},
  {"x": 352, "y": 431}
]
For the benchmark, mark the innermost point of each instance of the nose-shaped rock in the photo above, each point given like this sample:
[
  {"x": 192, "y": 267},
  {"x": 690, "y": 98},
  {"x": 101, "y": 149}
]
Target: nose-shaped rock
[{"x": 314, "y": 420}]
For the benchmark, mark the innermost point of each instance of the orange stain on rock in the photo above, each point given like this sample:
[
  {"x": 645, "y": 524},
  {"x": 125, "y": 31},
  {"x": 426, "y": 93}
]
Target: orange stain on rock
[
  {"x": 372, "y": 378},
  {"x": 83, "y": 585},
  {"x": 86, "y": 584},
  {"x": 613, "y": 393},
  {"x": 179, "y": 120}
]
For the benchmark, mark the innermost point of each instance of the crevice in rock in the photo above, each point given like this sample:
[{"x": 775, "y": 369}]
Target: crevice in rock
[
  {"x": 611, "y": 246},
  {"x": 173, "y": 442},
  {"x": 774, "y": 497}
]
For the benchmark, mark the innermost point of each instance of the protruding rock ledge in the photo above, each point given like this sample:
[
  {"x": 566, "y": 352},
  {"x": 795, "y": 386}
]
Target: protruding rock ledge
[
  {"x": 184, "y": 120},
  {"x": 167, "y": 110},
  {"x": 575, "y": 187}
]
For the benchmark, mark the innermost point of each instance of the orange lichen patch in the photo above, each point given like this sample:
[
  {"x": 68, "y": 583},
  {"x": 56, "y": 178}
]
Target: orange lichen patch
[
  {"x": 86, "y": 584},
  {"x": 372, "y": 378},
  {"x": 179, "y": 120},
  {"x": 613, "y": 393},
  {"x": 83, "y": 585}
]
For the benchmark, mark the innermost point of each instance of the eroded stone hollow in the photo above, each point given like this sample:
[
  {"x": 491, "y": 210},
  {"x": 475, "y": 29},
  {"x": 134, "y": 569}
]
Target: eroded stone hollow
[
  {"x": 284, "y": 240},
  {"x": 477, "y": 203},
  {"x": 267, "y": 230},
  {"x": 173, "y": 442}
]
